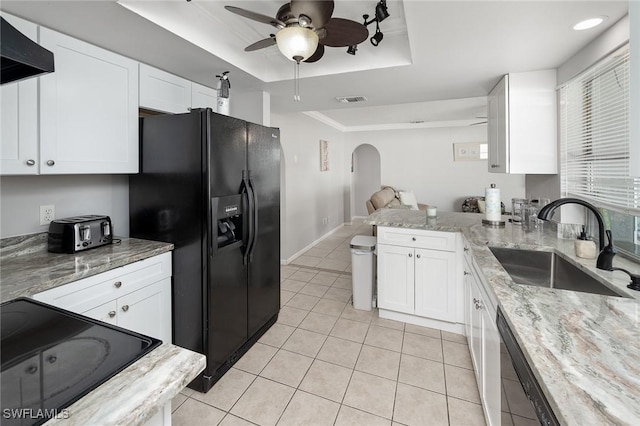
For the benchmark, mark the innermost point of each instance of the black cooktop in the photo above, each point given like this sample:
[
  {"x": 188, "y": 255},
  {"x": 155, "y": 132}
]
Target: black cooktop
[{"x": 52, "y": 357}]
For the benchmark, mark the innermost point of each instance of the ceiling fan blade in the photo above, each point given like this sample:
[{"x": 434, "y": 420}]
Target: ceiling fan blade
[
  {"x": 316, "y": 55},
  {"x": 255, "y": 16},
  {"x": 318, "y": 10},
  {"x": 267, "y": 42},
  {"x": 344, "y": 32}
]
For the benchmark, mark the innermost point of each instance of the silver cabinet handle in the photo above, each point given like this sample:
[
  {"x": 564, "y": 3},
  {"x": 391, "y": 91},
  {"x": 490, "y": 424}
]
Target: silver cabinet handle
[
  {"x": 50, "y": 163},
  {"x": 117, "y": 284},
  {"x": 495, "y": 166},
  {"x": 112, "y": 314},
  {"x": 31, "y": 162},
  {"x": 125, "y": 308},
  {"x": 413, "y": 238},
  {"x": 466, "y": 249},
  {"x": 467, "y": 273},
  {"x": 410, "y": 255},
  {"x": 417, "y": 256}
]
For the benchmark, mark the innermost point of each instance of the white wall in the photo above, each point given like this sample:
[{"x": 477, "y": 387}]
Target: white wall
[
  {"x": 22, "y": 196},
  {"x": 422, "y": 160},
  {"x": 309, "y": 195}
]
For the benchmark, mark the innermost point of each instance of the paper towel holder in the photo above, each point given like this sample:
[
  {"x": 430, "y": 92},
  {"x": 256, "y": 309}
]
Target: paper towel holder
[{"x": 494, "y": 223}]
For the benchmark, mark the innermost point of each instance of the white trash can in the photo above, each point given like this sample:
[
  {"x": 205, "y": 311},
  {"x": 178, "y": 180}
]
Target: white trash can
[{"x": 363, "y": 270}]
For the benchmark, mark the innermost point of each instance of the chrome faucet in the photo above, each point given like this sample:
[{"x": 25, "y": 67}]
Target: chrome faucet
[{"x": 605, "y": 258}]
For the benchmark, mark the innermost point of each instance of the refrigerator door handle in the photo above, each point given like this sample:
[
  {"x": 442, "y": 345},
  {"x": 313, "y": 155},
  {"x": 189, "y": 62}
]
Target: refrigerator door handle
[
  {"x": 246, "y": 188},
  {"x": 254, "y": 215}
]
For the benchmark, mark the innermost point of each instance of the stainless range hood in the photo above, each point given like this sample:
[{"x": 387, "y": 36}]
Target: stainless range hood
[{"x": 21, "y": 57}]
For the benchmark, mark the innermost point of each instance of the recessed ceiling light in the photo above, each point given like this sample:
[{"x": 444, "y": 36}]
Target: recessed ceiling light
[{"x": 589, "y": 23}]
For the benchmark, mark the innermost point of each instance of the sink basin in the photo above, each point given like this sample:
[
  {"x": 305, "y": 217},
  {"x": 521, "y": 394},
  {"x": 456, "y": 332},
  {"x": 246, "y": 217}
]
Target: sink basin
[{"x": 546, "y": 269}]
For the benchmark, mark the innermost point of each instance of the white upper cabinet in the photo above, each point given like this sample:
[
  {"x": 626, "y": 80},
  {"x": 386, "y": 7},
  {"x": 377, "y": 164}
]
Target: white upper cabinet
[
  {"x": 19, "y": 117},
  {"x": 522, "y": 124},
  {"x": 88, "y": 109},
  {"x": 161, "y": 91},
  {"x": 203, "y": 96}
]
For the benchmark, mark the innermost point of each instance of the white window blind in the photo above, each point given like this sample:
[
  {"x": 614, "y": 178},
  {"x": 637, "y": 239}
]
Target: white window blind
[{"x": 594, "y": 136}]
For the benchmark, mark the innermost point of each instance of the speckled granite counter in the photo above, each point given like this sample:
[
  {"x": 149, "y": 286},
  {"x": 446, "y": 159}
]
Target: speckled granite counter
[
  {"x": 583, "y": 348},
  {"x": 27, "y": 268}
]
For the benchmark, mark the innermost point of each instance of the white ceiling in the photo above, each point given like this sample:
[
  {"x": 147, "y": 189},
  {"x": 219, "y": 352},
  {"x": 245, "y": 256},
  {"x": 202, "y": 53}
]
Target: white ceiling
[{"x": 436, "y": 63}]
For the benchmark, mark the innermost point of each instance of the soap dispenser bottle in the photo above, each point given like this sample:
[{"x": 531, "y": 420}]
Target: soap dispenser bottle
[{"x": 585, "y": 247}]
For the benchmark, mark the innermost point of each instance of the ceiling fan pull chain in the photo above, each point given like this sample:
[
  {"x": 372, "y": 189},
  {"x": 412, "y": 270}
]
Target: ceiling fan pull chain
[{"x": 296, "y": 81}]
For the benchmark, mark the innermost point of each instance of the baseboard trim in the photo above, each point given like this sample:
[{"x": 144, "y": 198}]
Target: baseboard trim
[{"x": 421, "y": 321}]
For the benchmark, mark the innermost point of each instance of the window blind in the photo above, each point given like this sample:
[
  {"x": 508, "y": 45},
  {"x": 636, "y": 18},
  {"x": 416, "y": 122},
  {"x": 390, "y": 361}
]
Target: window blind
[{"x": 594, "y": 136}]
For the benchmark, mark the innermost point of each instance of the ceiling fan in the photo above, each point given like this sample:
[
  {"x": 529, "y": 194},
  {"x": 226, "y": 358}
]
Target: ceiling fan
[{"x": 305, "y": 27}]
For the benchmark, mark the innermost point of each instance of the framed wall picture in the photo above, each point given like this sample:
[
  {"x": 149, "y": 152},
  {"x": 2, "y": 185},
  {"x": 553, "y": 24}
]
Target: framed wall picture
[{"x": 324, "y": 156}]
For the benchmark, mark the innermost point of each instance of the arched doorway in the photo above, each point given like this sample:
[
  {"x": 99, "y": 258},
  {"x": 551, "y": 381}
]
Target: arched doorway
[{"x": 365, "y": 177}]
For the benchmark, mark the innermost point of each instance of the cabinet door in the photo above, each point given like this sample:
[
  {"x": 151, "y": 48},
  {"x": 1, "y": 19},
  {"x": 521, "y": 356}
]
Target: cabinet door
[
  {"x": 88, "y": 109},
  {"x": 396, "y": 278},
  {"x": 147, "y": 311},
  {"x": 491, "y": 382},
  {"x": 203, "y": 97},
  {"x": 105, "y": 313},
  {"x": 164, "y": 92},
  {"x": 19, "y": 117},
  {"x": 435, "y": 284},
  {"x": 475, "y": 339},
  {"x": 498, "y": 127}
]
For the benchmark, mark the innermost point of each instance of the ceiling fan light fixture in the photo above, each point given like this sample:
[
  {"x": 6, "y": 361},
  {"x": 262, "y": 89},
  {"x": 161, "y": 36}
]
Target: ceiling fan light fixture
[
  {"x": 377, "y": 37},
  {"x": 381, "y": 11},
  {"x": 297, "y": 43},
  {"x": 351, "y": 50},
  {"x": 589, "y": 23},
  {"x": 304, "y": 21}
]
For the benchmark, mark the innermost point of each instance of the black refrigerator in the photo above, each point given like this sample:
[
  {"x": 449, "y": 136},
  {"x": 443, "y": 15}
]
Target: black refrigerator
[{"x": 210, "y": 184}]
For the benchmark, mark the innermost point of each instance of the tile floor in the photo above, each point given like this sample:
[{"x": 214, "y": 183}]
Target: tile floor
[{"x": 326, "y": 363}]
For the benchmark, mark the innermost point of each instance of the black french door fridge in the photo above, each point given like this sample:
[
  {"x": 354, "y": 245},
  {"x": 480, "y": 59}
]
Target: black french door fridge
[{"x": 210, "y": 184}]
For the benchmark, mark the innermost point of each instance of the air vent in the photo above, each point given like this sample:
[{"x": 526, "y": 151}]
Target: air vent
[{"x": 351, "y": 99}]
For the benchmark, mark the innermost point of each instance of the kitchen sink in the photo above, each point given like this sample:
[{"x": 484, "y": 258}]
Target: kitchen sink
[{"x": 547, "y": 269}]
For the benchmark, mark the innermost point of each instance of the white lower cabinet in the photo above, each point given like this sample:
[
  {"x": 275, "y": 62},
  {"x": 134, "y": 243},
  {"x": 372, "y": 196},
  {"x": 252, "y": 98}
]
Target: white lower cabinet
[
  {"x": 484, "y": 343},
  {"x": 416, "y": 279}
]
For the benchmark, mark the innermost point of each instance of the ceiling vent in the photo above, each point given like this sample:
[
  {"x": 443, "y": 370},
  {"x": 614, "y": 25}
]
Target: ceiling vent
[{"x": 351, "y": 99}]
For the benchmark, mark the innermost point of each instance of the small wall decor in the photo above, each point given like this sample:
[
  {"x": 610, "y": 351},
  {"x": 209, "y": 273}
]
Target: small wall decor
[
  {"x": 470, "y": 151},
  {"x": 324, "y": 156}
]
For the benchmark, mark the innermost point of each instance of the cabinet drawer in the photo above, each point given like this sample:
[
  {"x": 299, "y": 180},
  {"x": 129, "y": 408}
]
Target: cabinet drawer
[
  {"x": 416, "y": 238},
  {"x": 86, "y": 294}
]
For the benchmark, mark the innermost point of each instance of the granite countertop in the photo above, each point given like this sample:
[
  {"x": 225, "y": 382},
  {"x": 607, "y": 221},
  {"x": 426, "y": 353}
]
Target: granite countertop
[
  {"x": 27, "y": 268},
  {"x": 583, "y": 348}
]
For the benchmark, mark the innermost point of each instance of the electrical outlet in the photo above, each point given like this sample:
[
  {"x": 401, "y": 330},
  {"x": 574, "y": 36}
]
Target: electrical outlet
[{"x": 47, "y": 214}]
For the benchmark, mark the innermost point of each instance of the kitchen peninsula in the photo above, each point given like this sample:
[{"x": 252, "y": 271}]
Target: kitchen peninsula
[
  {"x": 582, "y": 348},
  {"x": 142, "y": 392}
]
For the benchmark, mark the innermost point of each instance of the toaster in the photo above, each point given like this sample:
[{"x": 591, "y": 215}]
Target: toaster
[{"x": 78, "y": 233}]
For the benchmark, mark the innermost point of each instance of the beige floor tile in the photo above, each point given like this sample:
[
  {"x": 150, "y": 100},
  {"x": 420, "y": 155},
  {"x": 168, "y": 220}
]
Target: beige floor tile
[
  {"x": 329, "y": 274},
  {"x": 359, "y": 315},
  {"x": 387, "y": 323},
  {"x": 425, "y": 331},
  {"x": 317, "y": 252},
  {"x": 287, "y": 368},
  {"x": 305, "y": 342},
  {"x": 385, "y": 338},
  {"x": 320, "y": 323},
  {"x": 350, "y": 330},
  {"x": 415, "y": 406},
  {"x": 329, "y": 307},
  {"x": 291, "y": 316},
  {"x": 231, "y": 420},
  {"x": 316, "y": 290},
  {"x": 506, "y": 366},
  {"x": 340, "y": 255},
  {"x": 292, "y": 285},
  {"x": 422, "y": 373},
  {"x": 256, "y": 358},
  {"x": 464, "y": 413},
  {"x": 323, "y": 279},
  {"x": 453, "y": 337},
  {"x": 303, "y": 301},
  {"x": 227, "y": 390},
  {"x": 506, "y": 419},
  {"x": 277, "y": 335},
  {"x": 303, "y": 275},
  {"x": 328, "y": 245},
  {"x": 519, "y": 405},
  {"x": 286, "y": 271},
  {"x": 457, "y": 354},
  {"x": 285, "y": 296},
  {"x": 349, "y": 269},
  {"x": 370, "y": 393},
  {"x": 327, "y": 380},
  {"x": 343, "y": 282},
  {"x": 379, "y": 362},
  {"x": 348, "y": 416},
  {"x": 177, "y": 401},
  {"x": 187, "y": 391},
  {"x": 263, "y": 403},
  {"x": 339, "y": 294},
  {"x": 340, "y": 351},
  {"x": 193, "y": 412},
  {"x": 306, "y": 409},
  {"x": 461, "y": 383},
  {"x": 333, "y": 264},
  {"x": 306, "y": 260},
  {"x": 422, "y": 346},
  {"x": 523, "y": 421}
]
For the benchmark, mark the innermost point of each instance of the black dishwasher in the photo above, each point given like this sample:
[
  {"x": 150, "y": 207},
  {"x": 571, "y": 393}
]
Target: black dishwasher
[{"x": 52, "y": 357}]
